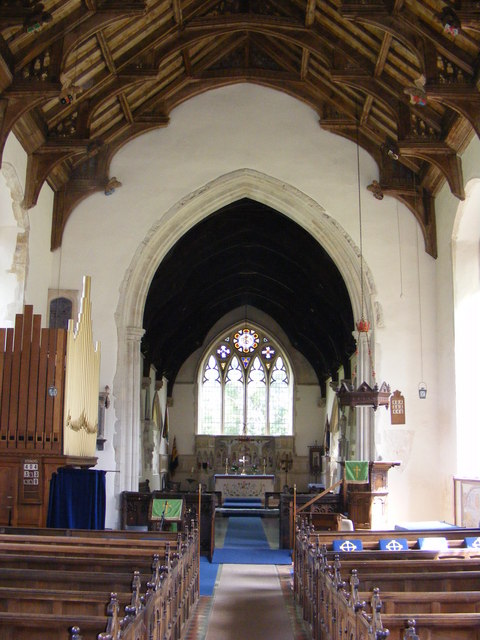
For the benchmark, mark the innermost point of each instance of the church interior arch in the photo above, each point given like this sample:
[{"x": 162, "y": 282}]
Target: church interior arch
[
  {"x": 247, "y": 255},
  {"x": 303, "y": 183},
  {"x": 255, "y": 100}
]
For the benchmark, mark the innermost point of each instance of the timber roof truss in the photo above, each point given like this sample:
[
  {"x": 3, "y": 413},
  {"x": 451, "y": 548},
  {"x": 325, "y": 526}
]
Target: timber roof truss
[{"x": 80, "y": 78}]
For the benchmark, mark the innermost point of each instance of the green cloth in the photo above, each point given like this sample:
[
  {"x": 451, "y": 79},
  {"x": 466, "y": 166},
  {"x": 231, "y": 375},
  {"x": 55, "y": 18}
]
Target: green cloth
[
  {"x": 356, "y": 470},
  {"x": 169, "y": 508}
]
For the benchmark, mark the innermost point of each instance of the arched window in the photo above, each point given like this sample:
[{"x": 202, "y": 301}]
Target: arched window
[{"x": 245, "y": 386}]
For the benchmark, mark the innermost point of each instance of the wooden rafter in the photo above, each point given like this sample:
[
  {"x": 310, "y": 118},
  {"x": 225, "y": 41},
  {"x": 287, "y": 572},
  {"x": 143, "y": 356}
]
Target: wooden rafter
[{"x": 346, "y": 60}]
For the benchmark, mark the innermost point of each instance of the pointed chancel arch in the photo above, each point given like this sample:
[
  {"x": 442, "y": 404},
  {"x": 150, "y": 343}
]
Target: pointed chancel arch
[{"x": 243, "y": 183}]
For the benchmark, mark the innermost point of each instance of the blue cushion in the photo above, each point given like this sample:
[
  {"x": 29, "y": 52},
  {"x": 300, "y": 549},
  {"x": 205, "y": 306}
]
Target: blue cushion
[
  {"x": 433, "y": 543},
  {"x": 347, "y": 545},
  {"x": 393, "y": 544},
  {"x": 473, "y": 543}
]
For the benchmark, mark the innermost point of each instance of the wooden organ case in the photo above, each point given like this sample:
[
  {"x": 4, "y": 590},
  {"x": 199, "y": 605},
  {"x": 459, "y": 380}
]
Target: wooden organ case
[{"x": 33, "y": 419}]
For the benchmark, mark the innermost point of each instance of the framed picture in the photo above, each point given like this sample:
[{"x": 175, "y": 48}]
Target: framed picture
[
  {"x": 467, "y": 502},
  {"x": 315, "y": 459}
]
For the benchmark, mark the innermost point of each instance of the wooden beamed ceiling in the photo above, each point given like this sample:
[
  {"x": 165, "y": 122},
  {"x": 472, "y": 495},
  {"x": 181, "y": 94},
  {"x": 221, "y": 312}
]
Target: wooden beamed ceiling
[{"x": 366, "y": 67}]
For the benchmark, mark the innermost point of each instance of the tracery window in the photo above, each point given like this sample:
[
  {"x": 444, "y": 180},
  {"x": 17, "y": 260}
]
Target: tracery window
[{"x": 245, "y": 386}]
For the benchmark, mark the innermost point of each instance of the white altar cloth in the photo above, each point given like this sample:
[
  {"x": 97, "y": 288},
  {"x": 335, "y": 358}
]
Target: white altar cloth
[{"x": 238, "y": 486}]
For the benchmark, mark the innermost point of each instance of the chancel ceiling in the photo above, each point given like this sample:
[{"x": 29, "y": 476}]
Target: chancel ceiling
[
  {"x": 248, "y": 255},
  {"x": 81, "y": 78}
]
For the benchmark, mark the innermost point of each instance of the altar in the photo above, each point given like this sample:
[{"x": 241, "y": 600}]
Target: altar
[{"x": 244, "y": 486}]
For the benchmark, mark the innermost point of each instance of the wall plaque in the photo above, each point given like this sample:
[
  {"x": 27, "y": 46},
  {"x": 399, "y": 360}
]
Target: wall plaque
[{"x": 397, "y": 408}]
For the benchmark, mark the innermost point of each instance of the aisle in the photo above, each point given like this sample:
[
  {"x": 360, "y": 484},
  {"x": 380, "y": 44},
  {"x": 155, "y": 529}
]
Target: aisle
[
  {"x": 249, "y": 603},
  {"x": 247, "y": 600},
  {"x": 246, "y": 542}
]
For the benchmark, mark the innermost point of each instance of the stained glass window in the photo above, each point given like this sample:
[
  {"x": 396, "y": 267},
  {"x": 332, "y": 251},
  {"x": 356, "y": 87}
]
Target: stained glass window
[
  {"x": 279, "y": 405},
  {"x": 256, "y": 399},
  {"x": 234, "y": 405},
  {"x": 211, "y": 398},
  {"x": 245, "y": 388}
]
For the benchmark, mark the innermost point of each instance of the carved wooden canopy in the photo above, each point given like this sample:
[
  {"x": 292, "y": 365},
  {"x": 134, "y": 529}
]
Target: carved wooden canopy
[{"x": 80, "y": 78}]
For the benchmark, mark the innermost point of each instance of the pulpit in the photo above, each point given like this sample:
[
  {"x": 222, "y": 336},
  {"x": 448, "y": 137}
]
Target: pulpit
[
  {"x": 244, "y": 486},
  {"x": 367, "y": 503}
]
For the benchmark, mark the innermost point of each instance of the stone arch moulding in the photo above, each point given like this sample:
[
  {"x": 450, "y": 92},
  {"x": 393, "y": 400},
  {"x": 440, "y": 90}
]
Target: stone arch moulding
[{"x": 243, "y": 183}]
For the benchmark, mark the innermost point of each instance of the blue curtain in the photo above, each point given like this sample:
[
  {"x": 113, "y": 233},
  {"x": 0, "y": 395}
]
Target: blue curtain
[{"x": 77, "y": 499}]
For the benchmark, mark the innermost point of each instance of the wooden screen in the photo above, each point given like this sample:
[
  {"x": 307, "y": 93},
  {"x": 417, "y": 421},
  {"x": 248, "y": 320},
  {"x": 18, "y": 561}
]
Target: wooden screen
[{"x": 32, "y": 380}]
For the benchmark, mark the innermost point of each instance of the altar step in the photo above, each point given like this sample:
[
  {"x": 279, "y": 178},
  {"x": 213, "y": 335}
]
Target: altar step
[
  {"x": 262, "y": 513},
  {"x": 242, "y": 503},
  {"x": 244, "y": 507}
]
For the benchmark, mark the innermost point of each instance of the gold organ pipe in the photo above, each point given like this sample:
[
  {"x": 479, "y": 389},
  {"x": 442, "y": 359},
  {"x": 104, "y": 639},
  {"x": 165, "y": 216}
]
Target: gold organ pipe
[{"x": 82, "y": 383}]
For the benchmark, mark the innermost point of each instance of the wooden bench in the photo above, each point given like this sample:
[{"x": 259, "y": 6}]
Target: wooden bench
[
  {"x": 65, "y": 589},
  {"x": 90, "y": 542},
  {"x": 57, "y": 601},
  {"x": 342, "y": 607},
  {"x": 437, "y": 589},
  {"x": 444, "y": 626},
  {"x": 424, "y": 601},
  {"x": 25, "y": 626}
]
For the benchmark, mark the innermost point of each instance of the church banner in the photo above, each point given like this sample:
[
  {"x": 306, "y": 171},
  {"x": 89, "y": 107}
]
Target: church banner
[
  {"x": 168, "y": 509},
  {"x": 356, "y": 471}
]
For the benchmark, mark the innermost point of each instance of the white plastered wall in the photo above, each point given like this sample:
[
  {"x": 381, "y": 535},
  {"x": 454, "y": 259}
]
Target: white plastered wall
[
  {"x": 276, "y": 145},
  {"x": 466, "y": 277}
]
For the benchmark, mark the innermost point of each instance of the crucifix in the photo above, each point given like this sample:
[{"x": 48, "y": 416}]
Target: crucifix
[{"x": 243, "y": 460}]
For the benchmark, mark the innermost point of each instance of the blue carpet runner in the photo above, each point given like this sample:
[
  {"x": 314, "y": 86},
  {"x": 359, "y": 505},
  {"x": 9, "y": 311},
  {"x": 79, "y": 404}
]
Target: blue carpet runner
[
  {"x": 208, "y": 576},
  {"x": 246, "y": 543}
]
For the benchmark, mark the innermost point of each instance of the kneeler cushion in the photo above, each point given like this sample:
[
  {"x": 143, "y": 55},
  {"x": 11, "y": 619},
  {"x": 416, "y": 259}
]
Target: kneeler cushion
[
  {"x": 472, "y": 543},
  {"x": 347, "y": 545},
  {"x": 393, "y": 544},
  {"x": 433, "y": 543}
]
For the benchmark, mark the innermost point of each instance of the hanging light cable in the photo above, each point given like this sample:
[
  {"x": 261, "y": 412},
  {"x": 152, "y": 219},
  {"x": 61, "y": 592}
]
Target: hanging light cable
[
  {"x": 422, "y": 387},
  {"x": 365, "y": 326},
  {"x": 366, "y": 394}
]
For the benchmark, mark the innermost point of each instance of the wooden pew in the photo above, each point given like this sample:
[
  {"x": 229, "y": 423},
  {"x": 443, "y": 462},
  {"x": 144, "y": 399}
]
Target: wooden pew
[
  {"x": 173, "y": 607},
  {"x": 370, "y": 538},
  {"x": 340, "y": 607},
  {"x": 67, "y": 580},
  {"x": 25, "y": 626},
  {"x": 90, "y": 542},
  {"x": 410, "y": 602},
  {"x": 28, "y": 600},
  {"x": 439, "y": 590},
  {"x": 444, "y": 626},
  {"x": 170, "y": 589}
]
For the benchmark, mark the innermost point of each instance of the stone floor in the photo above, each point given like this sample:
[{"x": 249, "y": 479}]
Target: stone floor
[{"x": 253, "y": 602}]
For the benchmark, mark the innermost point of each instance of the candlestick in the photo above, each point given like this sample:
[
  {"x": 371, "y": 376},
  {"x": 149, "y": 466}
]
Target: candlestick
[{"x": 226, "y": 466}]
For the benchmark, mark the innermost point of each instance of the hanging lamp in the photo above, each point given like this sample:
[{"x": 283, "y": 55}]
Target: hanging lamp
[{"x": 364, "y": 395}]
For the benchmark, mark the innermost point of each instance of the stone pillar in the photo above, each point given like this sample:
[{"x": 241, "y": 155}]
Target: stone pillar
[
  {"x": 364, "y": 418},
  {"x": 128, "y": 435}
]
